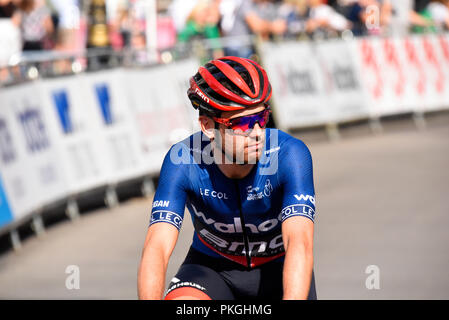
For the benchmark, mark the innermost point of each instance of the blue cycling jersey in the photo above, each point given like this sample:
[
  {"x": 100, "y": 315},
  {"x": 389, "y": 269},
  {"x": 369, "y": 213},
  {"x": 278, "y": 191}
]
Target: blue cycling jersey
[{"x": 239, "y": 219}]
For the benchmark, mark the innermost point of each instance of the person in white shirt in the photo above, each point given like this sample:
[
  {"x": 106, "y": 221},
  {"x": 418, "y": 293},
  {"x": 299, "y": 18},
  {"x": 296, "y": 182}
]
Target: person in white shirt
[{"x": 439, "y": 11}]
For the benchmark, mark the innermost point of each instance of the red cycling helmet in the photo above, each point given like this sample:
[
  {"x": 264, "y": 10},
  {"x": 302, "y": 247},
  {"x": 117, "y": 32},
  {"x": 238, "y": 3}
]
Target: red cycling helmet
[{"x": 229, "y": 84}]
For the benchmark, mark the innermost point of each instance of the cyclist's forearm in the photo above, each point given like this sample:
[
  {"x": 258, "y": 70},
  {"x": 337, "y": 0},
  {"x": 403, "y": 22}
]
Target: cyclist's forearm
[
  {"x": 297, "y": 274},
  {"x": 151, "y": 277}
]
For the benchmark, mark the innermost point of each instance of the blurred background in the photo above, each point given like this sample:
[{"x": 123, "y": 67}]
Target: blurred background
[{"x": 93, "y": 94}]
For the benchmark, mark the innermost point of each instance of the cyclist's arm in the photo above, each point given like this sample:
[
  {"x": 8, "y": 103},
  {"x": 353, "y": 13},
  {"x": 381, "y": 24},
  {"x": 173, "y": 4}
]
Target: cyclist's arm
[
  {"x": 165, "y": 222},
  {"x": 159, "y": 244},
  {"x": 298, "y": 216},
  {"x": 297, "y": 234}
]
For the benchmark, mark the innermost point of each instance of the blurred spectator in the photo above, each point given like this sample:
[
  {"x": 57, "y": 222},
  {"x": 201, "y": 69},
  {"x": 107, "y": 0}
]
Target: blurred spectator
[
  {"x": 180, "y": 10},
  {"x": 366, "y": 16},
  {"x": 166, "y": 31},
  {"x": 10, "y": 40},
  {"x": 439, "y": 12},
  {"x": 68, "y": 24},
  {"x": 124, "y": 25},
  {"x": 246, "y": 17},
  {"x": 36, "y": 24},
  {"x": 325, "y": 19},
  {"x": 297, "y": 16},
  {"x": 203, "y": 23},
  {"x": 8, "y": 10},
  {"x": 420, "y": 5},
  {"x": 312, "y": 17},
  {"x": 405, "y": 18}
]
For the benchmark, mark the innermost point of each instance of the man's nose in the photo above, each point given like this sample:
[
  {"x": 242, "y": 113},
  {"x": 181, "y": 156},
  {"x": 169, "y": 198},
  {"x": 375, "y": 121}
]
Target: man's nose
[{"x": 256, "y": 131}]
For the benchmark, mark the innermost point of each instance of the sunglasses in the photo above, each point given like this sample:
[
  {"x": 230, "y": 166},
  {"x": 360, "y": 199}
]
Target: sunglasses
[{"x": 245, "y": 123}]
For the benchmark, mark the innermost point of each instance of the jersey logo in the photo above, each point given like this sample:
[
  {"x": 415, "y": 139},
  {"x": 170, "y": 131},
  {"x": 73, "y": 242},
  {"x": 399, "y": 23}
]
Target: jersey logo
[
  {"x": 305, "y": 198},
  {"x": 268, "y": 188},
  {"x": 297, "y": 210},
  {"x": 236, "y": 226},
  {"x": 161, "y": 203},
  {"x": 255, "y": 194},
  {"x": 166, "y": 216},
  {"x": 272, "y": 150},
  {"x": 213, "y": 194}
]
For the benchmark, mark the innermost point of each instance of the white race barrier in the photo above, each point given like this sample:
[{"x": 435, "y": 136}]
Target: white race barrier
[
  {"x": 345, "y": 98},
  {"x": 71, "y": 122},
  {"x": 61, "y": 137},
  {"x": 117, "y": 136},
  {"x": 315, "y": 83},
  {"x": 158, "y": 100},
  {"x": 30, "y": 168},
  {"x": 383, "y": 75},
  {"x": 298, "y": 84},
  {"x": 6, "y": 215},
  {"x": 435, "y": 58}
]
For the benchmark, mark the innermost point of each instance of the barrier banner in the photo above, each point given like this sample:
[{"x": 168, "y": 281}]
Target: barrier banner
[
  {"x": 298, "y": 85},
  {"x": 383, "y": 75},
  {"x": 181, "y": 73},
  {"x": 118, "y": 138},
  {"x": 443, "y": 44},
  {"x": 434, "y": 64},
  {"x": 160, "y": 106},
  {"x": 6, "y": 215},
  {"x": 71, "y": 124},
  {"x": 343, "y": 86},
  {"x": 30, "y": 169}
]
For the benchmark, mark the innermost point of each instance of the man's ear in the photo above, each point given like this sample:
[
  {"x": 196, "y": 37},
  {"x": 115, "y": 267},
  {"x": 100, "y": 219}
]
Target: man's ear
[{"x": 207, "y": 125}]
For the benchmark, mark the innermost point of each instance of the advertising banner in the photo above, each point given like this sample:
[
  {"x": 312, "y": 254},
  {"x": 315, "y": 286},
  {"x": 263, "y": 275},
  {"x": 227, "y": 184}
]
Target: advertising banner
[
  {"x": 162, "y": 112},
  {"x": 30, "y": 167},
  {"x": 432, "y": 51},
  {"x": 71, "y": 122},
  {"x": 343, "y": 87},
  {"x": 298, "y": 84},
  {"x": 384, "y": 75},
  {"x": 117, "y": 135}
]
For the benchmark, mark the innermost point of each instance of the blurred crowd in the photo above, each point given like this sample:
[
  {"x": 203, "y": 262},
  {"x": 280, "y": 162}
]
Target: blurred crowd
[{"x": 121, "y": 24}]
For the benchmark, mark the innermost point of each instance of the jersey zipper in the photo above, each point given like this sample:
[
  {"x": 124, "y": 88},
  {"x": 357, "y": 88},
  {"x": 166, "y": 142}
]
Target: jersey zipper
[{"x": 242, "y": 222}]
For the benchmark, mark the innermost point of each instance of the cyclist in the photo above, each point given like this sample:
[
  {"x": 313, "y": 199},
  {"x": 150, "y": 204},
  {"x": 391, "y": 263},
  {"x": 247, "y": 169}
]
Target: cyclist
[{"x": 249, "y": 190}]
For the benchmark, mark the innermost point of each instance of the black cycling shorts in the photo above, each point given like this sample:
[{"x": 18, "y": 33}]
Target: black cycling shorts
[{"x": 222, "y": 279}]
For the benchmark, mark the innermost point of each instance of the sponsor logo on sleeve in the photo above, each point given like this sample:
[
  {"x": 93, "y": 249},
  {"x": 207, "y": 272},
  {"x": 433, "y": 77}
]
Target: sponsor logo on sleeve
[
  {"x": 166, "y": 216},
  {"x": 161, "y": 203},
  {"x": 306, "y": 198},
  {"x": 297, "y": 210}
]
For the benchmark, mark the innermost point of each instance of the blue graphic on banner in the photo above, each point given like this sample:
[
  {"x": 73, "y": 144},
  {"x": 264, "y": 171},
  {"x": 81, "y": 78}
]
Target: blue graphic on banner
[
  {"x": 5, "y": 211},
  {"x": 63, "y": 108},
  {"x": 7, "y": 152},
  {"x": 34, "y": 130},
  {"x": 104, "y": 100}
]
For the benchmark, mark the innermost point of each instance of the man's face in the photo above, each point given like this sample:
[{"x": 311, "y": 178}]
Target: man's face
[{"x": 237, "y": 146}]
